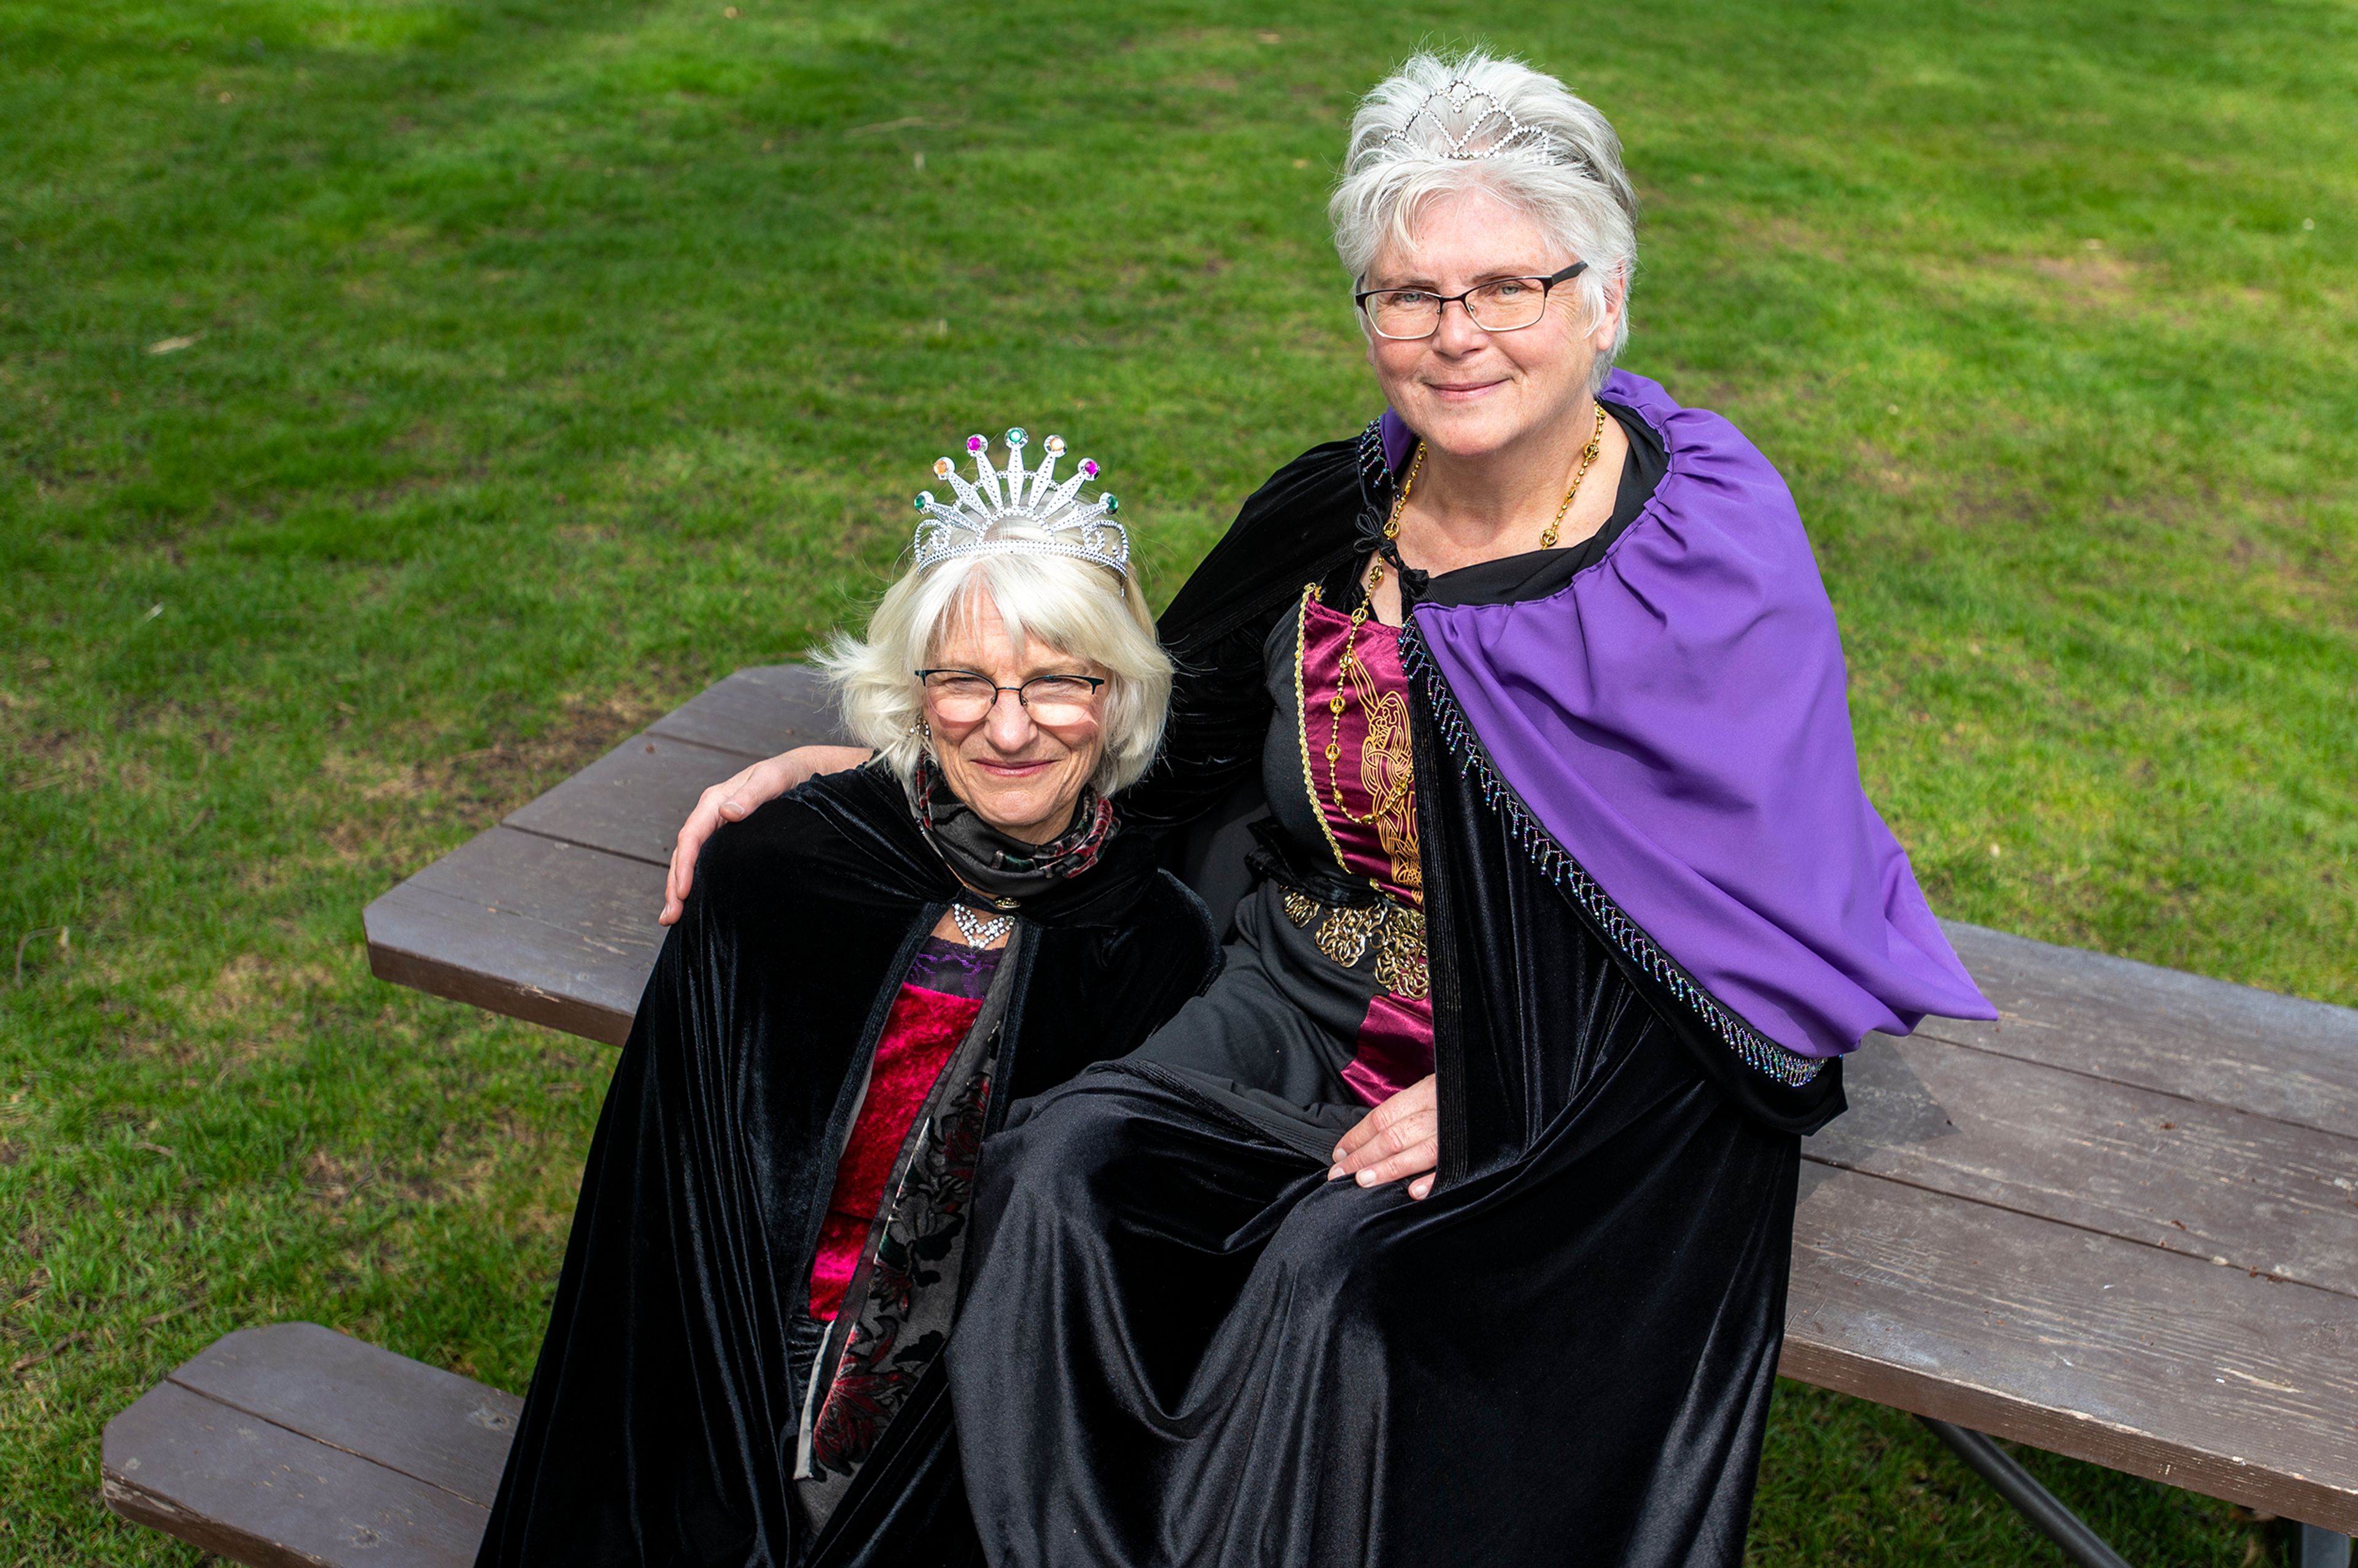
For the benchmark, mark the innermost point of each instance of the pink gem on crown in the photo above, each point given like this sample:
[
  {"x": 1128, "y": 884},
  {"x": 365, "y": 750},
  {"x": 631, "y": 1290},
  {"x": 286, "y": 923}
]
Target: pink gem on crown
[{"x": 1090, "y": 467}]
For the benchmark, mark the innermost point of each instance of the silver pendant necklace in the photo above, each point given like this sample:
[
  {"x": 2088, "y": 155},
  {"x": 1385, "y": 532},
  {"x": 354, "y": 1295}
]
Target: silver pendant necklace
[{"x": 978, "y": 931}]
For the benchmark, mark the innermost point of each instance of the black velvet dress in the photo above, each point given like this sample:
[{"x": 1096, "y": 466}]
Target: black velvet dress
[
  {"x": 1182, "y": 1344},
  {"x": 663, "y": 1421}
]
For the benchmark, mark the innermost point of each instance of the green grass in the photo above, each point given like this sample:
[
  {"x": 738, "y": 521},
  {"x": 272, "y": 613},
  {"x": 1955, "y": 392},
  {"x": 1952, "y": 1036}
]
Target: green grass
[{"x": 550, "y": 360}]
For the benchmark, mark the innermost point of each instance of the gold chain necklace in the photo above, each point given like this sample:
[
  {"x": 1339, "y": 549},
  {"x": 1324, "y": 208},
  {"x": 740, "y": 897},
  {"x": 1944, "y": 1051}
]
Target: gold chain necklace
[
  {"x": 1367, "y": 606},
  {"x": 1588, "y": 457}
]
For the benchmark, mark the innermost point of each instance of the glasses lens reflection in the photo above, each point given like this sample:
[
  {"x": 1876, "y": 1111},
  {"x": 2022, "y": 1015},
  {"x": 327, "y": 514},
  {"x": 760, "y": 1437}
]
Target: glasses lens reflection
[
  {"x": 962, "y": 698},
  {"x": 1508, "y": 305}
]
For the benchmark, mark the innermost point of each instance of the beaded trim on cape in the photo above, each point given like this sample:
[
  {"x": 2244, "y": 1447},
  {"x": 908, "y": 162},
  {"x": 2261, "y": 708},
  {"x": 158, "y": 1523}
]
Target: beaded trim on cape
[
  {"x": 1556, "y": 863},
  {"x": 1375, "y": 480}
]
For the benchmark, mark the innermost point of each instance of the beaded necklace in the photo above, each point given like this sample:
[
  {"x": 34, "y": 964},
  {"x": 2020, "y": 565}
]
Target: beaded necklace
[{"x": 978, "y": 931}]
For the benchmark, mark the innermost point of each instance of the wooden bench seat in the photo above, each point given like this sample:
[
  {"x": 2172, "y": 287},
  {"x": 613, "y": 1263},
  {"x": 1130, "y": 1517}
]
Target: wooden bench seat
[
  {"x": 2120, "y": 1223},
  {"x": 293, "y": 1446}
]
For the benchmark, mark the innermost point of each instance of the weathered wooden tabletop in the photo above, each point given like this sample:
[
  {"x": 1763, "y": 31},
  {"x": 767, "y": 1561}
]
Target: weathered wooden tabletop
[{"x": 2121, "y": 1223}]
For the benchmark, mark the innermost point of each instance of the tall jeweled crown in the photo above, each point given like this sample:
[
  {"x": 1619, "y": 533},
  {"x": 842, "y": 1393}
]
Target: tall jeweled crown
[
  {"x": 1053, "y": 518},
  {"x": 1483, "y": 127}
]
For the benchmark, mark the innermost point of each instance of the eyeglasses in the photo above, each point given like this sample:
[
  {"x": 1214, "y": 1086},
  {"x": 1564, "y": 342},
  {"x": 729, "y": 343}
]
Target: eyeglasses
[
  {"x": 963, "y": 697},
  {"x": 1501, "y": 305}
]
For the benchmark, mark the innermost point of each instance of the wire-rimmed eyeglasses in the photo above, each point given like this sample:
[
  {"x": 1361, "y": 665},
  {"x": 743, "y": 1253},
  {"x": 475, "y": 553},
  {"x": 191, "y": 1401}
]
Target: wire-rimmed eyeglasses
[
  {"x": 962, "y": 697},
  {"x": 1501, "y": 305}
]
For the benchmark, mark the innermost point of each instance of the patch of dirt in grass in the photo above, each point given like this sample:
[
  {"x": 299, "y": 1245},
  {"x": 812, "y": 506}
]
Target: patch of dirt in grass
[
  {"x": 252, "y": 981},
  {"x": 475, "y": 788},
  {"x": 52, "y": 758},
  {"x": 1772, "y": 232},
  {"x": 2252, "y": 536},
  {"x": 541, "y": 1162},
  {"x": 329, "y": 1181},
  {"x": 2089, "y": 280},
  {"x": 1888, "y": 473}
]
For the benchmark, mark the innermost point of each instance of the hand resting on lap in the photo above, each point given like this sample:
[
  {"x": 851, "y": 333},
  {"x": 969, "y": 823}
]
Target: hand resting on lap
[{"x": 1399, "y": 1138}]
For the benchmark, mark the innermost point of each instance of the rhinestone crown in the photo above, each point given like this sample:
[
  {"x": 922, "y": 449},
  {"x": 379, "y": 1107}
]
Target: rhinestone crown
[
  {"x": 1053, "y": 519},
  {"x": 1486, "y": 128}
]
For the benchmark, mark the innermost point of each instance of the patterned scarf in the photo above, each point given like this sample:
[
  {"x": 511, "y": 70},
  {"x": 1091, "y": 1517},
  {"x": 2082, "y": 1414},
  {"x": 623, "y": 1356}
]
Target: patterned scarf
[{"x": 1007, "y": 867}]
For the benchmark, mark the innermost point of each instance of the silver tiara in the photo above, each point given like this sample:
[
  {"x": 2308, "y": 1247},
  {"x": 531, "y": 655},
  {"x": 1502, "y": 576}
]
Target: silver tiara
[
  {"x": 1491, "y": 129},
  {"x": 1054, "y": 518}
]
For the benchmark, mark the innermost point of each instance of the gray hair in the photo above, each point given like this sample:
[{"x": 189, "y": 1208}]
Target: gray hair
[
  {"x": 1516, "y": 132},
  {"x": 1076, "y": 607}
]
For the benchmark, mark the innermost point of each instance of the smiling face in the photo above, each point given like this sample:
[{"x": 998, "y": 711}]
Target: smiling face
[
  {"x": 1020, "y": 776},
  {"x": 1471, "y": 393}
]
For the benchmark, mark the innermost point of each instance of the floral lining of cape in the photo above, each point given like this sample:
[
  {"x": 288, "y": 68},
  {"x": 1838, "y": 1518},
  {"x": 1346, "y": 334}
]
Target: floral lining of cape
[{"x": 906, "y": 1286}]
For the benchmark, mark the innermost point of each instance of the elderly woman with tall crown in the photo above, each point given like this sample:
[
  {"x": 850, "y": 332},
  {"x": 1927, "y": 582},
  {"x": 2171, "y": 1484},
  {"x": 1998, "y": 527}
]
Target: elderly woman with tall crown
[
  {"x": 743, "y": 1363},
  {"x": 1451, "y": 1223}
]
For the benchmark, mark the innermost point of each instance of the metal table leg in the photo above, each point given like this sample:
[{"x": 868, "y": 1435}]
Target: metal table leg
[
  {"x": 2033, "y": 1502},
  {"x": 2319, "y": 1546},
  {"x": 2324, "y": 1549}
]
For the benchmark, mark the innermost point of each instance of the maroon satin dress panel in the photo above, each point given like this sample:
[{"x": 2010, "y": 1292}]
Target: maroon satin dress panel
[
  {"x": 1366, "y": 798},
  {"x": 937, "y": 1004}
]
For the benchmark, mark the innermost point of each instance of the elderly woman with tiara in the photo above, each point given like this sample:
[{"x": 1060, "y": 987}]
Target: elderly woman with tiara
[
  {"x": 1451, "y": 1223},
  {"x": 743, "y": 1362}
]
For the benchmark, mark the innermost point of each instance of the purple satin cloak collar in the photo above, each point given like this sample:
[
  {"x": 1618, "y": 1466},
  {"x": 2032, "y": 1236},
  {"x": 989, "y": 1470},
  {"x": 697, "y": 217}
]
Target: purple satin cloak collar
[{"x": 1676, "y": 720}]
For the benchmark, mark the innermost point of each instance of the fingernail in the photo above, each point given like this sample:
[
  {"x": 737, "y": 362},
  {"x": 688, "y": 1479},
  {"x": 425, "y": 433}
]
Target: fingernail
[
  {"x": 1366, "y": 1178},
  {"x": 1335, "y": 1170}
]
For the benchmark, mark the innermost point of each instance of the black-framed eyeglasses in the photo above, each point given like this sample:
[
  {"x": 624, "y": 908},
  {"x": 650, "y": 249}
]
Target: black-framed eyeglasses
[
  {"x": 962, "y": 697},
  {"x": 1501, "y": 305}
]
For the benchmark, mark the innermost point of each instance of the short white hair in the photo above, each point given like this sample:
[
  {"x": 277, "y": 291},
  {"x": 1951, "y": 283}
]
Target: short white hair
[
  {"x": 1076, "y": 606},
  {"x": 1570, "y": 183}
]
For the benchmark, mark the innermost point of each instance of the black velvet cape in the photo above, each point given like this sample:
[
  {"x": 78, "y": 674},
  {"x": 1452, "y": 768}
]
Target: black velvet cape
[
  {"x": 660, "y": 1424},
  {"x": 1563, "y": 1355}
]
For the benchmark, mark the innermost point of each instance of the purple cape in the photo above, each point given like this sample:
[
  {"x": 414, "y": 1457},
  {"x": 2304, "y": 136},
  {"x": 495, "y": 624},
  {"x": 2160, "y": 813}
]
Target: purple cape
[{"x": 1673, "y": 724}]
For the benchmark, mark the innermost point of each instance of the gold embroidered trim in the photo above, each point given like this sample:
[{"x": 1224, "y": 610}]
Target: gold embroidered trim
[{"x": 1396, "y": 929}]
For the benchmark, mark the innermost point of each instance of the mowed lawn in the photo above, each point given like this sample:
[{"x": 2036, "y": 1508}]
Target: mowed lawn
[{"x": 402, "y": 401}]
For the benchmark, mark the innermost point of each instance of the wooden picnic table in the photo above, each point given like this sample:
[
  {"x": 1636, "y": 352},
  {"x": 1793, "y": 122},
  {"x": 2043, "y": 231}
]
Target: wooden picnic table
[{"x": 2120, "y": 1223}]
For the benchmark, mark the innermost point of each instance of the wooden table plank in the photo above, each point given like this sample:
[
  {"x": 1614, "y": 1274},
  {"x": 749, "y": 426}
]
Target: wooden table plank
[
  {"x": 540, "y": 930},
  {"x": 2209, "y": 1181},
  {"x": 565, "y": 933},
  {"x": 429, "y": 1425},
  {"x": 757, "y": 712},
  {"x": 258, "y": 1494},
  {"x": 2079, "y": 1343},
  {"x": 630, "y": 801},
  {"x": 2182, "y": 1034}
]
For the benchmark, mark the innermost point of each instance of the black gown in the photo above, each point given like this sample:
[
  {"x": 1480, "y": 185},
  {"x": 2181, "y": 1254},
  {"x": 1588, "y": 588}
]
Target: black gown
[
  {"x": 1564, "y": 1354},
  {"x": 662, "y": 1422}
]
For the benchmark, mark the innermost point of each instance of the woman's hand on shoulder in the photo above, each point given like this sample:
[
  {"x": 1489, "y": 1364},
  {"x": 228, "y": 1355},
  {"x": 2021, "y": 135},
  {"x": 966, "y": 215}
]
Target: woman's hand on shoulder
[
  {"x": 1399, "y": 1138},
  {"x": 735, "y": 798}
]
